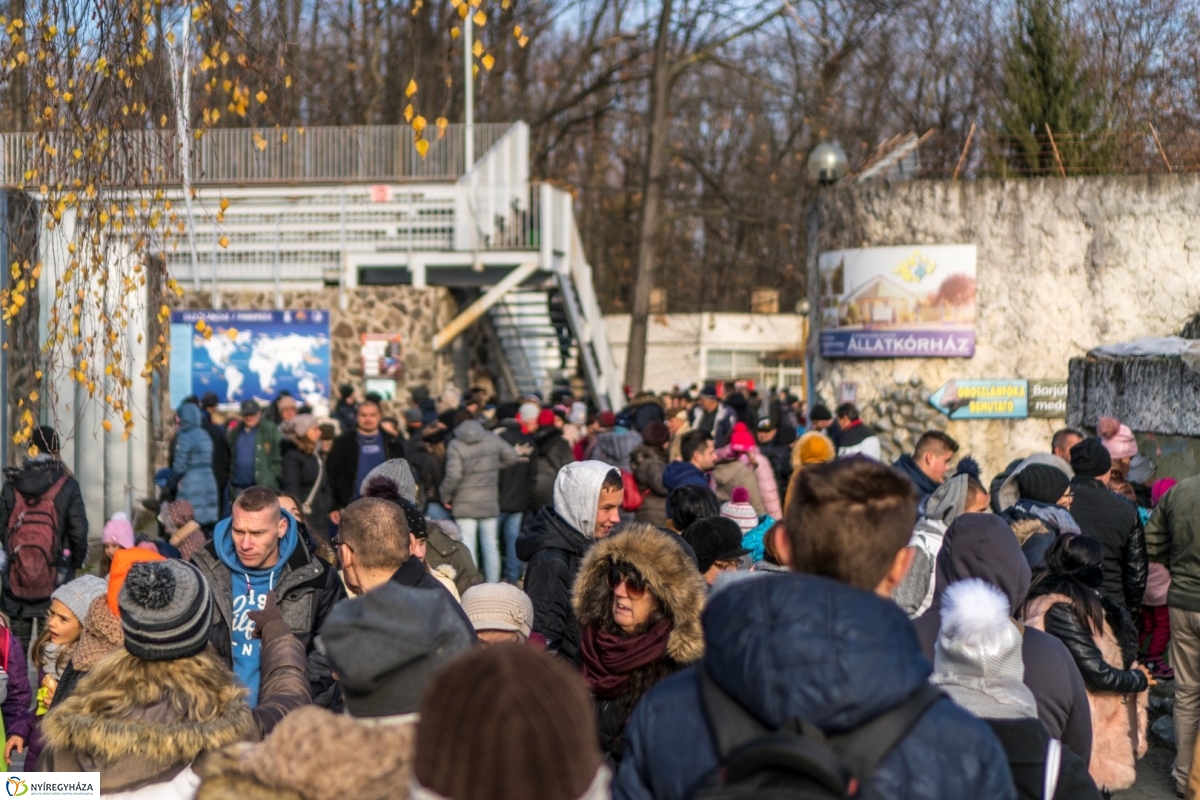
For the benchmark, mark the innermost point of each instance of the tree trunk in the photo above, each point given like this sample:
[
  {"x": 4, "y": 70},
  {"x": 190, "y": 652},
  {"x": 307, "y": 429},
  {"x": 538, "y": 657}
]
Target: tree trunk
[{"x": 652, "y": 192}]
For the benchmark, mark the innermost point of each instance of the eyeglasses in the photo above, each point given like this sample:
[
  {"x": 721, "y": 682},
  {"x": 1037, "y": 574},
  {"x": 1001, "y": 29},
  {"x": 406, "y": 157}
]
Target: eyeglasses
[{"x": 635, "y": 584}]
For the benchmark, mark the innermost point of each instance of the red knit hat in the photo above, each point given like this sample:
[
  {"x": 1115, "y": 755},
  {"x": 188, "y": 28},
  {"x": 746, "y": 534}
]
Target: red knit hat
[
  {"x": 742, "y": 439},
  {"x": 545, "y": 417}
]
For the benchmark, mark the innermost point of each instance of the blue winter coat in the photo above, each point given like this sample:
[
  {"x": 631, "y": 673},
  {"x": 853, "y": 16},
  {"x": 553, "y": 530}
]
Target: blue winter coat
[
  {"x": 800, "y": 646},
  {"x": 191, "y": 469}
]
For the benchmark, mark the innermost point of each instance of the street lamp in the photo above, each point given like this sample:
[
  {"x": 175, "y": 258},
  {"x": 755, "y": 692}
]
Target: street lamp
[{"x": 827, "y": 163}]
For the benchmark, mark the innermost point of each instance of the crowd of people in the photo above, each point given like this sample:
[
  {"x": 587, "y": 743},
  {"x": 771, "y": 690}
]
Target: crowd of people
[{"x": 691, "y": 597}]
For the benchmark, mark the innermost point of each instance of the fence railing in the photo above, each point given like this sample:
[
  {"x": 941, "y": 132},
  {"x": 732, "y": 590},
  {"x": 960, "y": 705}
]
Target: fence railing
[
  {"x": 988, "y": 154},
  {"x": 242, "y": 156}
]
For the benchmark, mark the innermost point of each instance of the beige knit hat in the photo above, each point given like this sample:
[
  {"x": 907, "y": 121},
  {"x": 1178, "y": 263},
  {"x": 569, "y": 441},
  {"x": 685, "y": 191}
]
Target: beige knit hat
[{"x": 499, "y": 607}]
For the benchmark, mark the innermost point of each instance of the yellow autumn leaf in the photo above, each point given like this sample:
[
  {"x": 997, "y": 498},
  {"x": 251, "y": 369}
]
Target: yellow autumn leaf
[
  {"x": 478, "y": 48},
  {"x": 408, "y": 113},
  {"x": 261, "y": 97},
  {"x": 261, "y": 143},
  {"x": 463, "y": 10},
  {"x": 224, "y": 242},
  {"x": 287, "y": 81},
  {"x": 419, "y": 124},
  {"x": 442, "y": 123},
  {"x": 480, "y": 18},
  {"x": 200, "y": 325},
  {"x": 524, "y": 40},
  {"x": 411, "y": 89},
  {"x": 224, "y": 203},
  {"x": 422, "y": 146},
  {"x": 455, "y": 32},
  {"x": 232, "y": 333},
  {"x": 107, "y": 426},
  {"x": 488, "y": 62},
  {"x": 516, "y": 31}
]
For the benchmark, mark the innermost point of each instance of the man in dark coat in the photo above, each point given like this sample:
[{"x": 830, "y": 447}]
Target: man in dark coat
[
  {"x": 587, "y": 504},
  {"x": 356, "y": 452},
  {"x": 823, "y": 649},
  {"x": 516, "y": 484},
  {"x": 927, "y": 466},
  {"x": 983, "y": 546},
  {"x": 33, "y": 479},
  {"x": 1111, "y": 520}
]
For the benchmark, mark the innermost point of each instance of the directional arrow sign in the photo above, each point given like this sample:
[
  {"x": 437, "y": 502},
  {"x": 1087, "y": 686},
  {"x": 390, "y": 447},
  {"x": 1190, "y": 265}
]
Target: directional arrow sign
[{"x": 983, "y": 399}]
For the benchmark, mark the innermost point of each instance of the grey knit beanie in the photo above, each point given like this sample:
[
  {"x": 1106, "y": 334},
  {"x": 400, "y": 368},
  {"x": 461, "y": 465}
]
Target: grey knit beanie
[
  {"x": 79, "y": 594},
  {"x": 166, "y": 610},
  {"x": 398, "y": 472},
  {"x": 977, "y": 659}
]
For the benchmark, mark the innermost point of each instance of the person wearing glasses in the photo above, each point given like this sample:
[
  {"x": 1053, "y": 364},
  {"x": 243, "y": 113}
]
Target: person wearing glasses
[{"x": 638, "y": 601}]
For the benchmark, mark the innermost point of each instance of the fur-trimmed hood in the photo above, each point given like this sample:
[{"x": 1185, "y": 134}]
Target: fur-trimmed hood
[
  {"x": 315, "y": 754},
  {"x": 153, "y": 740},
  {"x": 669, "y": 574}
]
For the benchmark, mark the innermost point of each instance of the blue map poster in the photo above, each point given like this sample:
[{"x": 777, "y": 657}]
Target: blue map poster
[{"x": 251, "y": 355}]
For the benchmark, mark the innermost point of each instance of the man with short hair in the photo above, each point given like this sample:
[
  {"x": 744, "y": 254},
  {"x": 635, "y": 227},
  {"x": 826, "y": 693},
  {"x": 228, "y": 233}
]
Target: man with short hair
[
  {"x": 927, "y": 466},
  {"x": 778, "y": 649},
  {"x": 255, "y": 451},
  {"x": 253, "y": 553},
  {"x": 1063, "y": 441},
  {"x": 587, "y": 504},
  {"x": 355, "y": 453},
  {"x": 854, "y": 437},
  {"x": 1111, "y": 520},
  {"x": 713, "y": 416},
  {"x": 698, "y": 457},
  {"x": 374, "y": 546}
]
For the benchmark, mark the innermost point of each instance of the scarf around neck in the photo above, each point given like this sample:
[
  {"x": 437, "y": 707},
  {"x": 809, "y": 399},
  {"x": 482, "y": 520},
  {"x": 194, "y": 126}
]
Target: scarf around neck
[{"x": 610, "y": 659}]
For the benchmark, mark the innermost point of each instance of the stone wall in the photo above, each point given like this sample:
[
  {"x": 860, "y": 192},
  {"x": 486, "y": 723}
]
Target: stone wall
[
  {"x": 1063, "y": 266},
  {"x": 416, "y": 314}
]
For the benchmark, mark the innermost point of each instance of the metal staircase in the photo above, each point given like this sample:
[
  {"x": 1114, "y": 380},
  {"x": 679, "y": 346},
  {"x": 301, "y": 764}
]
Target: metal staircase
[{"x": 536, "y": 340}]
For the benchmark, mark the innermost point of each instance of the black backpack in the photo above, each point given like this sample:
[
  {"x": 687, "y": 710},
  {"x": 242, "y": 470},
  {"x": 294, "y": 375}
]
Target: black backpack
[{"x": 798, "y": 761}]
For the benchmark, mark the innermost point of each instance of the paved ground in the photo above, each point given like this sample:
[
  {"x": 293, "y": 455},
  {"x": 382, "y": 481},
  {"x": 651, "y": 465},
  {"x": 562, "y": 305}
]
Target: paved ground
[{"x": 1154, "y": 777}]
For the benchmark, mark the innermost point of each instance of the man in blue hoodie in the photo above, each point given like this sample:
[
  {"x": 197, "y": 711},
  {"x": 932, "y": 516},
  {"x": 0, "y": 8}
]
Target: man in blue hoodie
[
  {"x": 697, "y": 457},
  {"x": 255, "y": 552},
  {"x": 827, "y": 648}
]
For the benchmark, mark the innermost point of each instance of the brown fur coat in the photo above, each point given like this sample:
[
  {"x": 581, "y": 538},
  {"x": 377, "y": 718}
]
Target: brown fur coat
[
  {"x": 1119, "y": 722},
  {"x": 314, "y": 754}
]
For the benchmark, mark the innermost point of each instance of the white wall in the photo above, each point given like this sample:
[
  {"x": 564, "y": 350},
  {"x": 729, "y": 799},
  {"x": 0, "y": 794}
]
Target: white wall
[
  {"x": 1064, "y": 265},
  {"x": 678, "y": 344}
]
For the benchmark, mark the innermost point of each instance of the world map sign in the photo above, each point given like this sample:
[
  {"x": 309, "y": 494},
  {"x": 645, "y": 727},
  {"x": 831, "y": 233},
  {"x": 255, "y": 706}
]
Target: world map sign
[{"x": 251, "y": 355}]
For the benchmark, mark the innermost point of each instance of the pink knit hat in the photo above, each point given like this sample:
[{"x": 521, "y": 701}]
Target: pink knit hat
[
  {"x": 1160, "y": 487},
  {"x": 1117, "y": 438},
  {"x": 118, "y": 531},
  {"x": 739, "y": 509}
]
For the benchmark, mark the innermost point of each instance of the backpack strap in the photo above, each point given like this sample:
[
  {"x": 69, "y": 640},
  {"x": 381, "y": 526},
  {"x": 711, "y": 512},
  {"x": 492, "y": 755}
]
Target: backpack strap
[
  {"x": 864, "y": 747},
  {"x": 732, "y": 725}
]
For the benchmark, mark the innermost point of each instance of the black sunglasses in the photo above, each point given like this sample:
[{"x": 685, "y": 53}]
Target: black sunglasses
[{"x": 635, "y": 584}]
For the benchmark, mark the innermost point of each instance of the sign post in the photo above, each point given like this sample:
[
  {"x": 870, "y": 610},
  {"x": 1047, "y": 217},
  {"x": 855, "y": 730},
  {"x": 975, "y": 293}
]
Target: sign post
[{"x": 982, "y": 399}]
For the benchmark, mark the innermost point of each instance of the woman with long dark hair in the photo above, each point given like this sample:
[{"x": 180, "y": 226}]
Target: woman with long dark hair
[{"x": 1065, "y": 602}]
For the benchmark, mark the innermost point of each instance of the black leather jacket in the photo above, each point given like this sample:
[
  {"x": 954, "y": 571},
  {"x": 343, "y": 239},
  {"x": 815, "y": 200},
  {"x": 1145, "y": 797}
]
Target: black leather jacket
[
  {"x": 1098, "y": 675},
  {"x": 1113, "y": 521}
]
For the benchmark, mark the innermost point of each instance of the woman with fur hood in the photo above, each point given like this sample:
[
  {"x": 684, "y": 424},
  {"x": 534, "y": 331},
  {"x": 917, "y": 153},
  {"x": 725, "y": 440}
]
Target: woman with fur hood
[
  {"x": 638, "y": 600},
  {"x": 145, "y": 714},
  {"x": 1065, "y": 601}
]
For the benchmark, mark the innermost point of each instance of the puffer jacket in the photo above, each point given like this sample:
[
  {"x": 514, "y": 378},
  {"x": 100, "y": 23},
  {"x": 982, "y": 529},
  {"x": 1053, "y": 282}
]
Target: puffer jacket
[
  {"x": 1113, "y": 521},
  {"x": 729, "y": 475},
  {"x": 142, "y": 752},
  {"x": 1117, "y": 694},
  {"x": 647, "y": 465},
  {"x": 474, "y": 459},
  {"x": 192, "y": 476},
  {"x": 443, "y": 551},
  {"x": 553, "y": 453},
  {"x": 797, "y": 646},
  {"x": 672, "y": 579},
  {"x": 1173, "y": 538},
  {"x": 34, "y": 479},
  {"x": 616, "y": 447}
]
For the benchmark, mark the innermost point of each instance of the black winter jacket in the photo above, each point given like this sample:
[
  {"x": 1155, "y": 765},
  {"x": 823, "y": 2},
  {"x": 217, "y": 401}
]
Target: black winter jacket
[
  {"x": 221, "y": 454},
  {"x": 34, "y": 479},
  {"x": 428, "y": 469},
  {"x": 1113, "y": 521},
  {"x": 342, "y": 464},
  {"x": 553, "y": 453},
  {"x": 518, "y": 481},
  {"x": 300, "y": 473},
  {"x": 553, "y": 550},
  {"x": 413, "y": 573},
  {"x": 1025, "y": 742}
]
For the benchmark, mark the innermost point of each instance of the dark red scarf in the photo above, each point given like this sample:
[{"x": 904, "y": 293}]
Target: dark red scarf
[{"x": 609, "y": 659}]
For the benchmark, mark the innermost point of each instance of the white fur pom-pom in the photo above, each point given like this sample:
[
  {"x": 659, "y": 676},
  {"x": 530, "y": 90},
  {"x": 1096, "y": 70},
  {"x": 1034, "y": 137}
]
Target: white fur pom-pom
[{"x": 974, "y": 612}]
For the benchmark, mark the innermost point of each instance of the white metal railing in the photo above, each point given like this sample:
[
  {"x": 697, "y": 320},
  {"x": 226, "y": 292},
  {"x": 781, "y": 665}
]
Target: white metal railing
[{"x": 238, "y": 156}]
